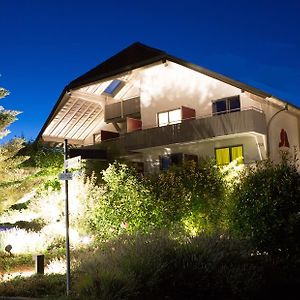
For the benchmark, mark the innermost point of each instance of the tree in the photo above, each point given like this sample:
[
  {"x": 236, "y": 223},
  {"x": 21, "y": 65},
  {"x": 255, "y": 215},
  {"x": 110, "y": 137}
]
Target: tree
[
  {"x": 6, "y": 116},
  {"x": 13, "y": 178},
  {"x": 24, "y": 166}
]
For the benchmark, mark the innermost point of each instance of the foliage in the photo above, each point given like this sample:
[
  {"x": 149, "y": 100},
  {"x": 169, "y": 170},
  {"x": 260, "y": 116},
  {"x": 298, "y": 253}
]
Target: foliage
[
  {"x": 191, "y": 195},
  {"x": 13, "y": 178},
  {"x": 34, "y": 286},
  {"x": 9, "y": 161},
  {"x": 41, "y": 221},
  {"x": 265, "y": 207},
  {"x": 24, "y": 165},
  {"x": 47, "y": 159},
  {"x": 124, "y": 204},
  {"x": 8, "y": 262},
  {"x": 187, "y": 198},
  {"x": 157, "y": 267},
  {"x": 6, "y": 116}
]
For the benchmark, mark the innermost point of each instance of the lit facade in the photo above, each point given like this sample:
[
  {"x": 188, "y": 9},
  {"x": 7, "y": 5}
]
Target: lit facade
[{"x": 156, "y": 109}]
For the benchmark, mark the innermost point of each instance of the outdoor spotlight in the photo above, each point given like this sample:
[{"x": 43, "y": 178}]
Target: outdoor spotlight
[{"x": 8, "y": 249}]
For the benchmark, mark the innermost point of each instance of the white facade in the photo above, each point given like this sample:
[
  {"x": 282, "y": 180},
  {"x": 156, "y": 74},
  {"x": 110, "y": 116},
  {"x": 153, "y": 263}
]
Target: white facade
[
  {"x": 166, "y": 85},
  {"x": 170, "y": 86}
]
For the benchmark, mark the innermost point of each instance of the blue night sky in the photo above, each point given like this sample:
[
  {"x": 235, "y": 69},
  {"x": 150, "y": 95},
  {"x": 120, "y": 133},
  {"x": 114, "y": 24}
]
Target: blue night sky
[{"x": 46, "y": 44}]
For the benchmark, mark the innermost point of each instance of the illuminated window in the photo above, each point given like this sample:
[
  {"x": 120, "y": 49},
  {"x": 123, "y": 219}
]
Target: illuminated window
[
  {"x": 113, "y": 87},
  {"x": 226, "y": 105},
  {"x": 175, "y": 116},
  {"x": 227, "y": 154},
  {"x": 169, "y": 117},
  {"x": 163, "y": 119}
]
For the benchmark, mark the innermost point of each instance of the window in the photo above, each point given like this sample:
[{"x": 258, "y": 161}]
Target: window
[
  {"x": 113, "y": 87},
  {"x": 227, "y": 154},
  {"x": 226, "y": 105},
  {"x": 169, "y": 117},
  {"x": 166, "y": 161}
]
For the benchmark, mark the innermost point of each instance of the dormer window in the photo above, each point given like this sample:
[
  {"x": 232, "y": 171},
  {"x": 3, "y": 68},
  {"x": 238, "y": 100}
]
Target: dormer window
[
  {"x": 114, "y": 87},
  {"x": 226, "y": 105}
]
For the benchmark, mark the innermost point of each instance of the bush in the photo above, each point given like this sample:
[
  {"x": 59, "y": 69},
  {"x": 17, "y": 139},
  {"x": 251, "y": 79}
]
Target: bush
[
  {"x": 157, "y": 267},
  {"x": 34, "y": 286},
  {"x": 192, "y": 196},
  {"x": 9, "y": 262},
  {"x": 265, "y": 207},
  {"x": 182, "y": 199},
  {"x": 124, "y": 205}
]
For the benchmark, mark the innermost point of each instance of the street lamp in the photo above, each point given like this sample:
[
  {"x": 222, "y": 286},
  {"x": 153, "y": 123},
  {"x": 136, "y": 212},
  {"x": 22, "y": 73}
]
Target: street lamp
[{"x": 268, "y": 126}]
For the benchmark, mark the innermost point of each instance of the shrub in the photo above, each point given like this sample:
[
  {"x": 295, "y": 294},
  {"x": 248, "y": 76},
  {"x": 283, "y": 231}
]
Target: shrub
[
  {"x": 8, "y": 262},
  {"x": 34, "y": 286},
  {"x": 265, "y": 207},
  {"x": 182, "y": 199},
  {"x": 157, "y": 267},
  {"x": 191, "y": 195},
  {"x": 124, "y": 205}
]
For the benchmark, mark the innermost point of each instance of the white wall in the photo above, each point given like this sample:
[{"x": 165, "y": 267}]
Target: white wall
[
  {"x": 168, "y": 87},
  {"x": 283, "y": 120},
  {"x": 248, "y": 103},
  {"x": 206, "y": 149}
]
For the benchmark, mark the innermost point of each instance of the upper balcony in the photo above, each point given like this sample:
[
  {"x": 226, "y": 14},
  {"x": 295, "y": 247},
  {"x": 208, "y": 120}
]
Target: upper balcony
[
  {"x": 248, "y": 120},
  {"x": 118, "y": 111}
]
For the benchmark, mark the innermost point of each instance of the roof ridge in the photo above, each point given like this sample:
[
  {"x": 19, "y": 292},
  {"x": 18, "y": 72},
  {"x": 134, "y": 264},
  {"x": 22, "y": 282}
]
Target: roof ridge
[{"x": 135, "y": 54}]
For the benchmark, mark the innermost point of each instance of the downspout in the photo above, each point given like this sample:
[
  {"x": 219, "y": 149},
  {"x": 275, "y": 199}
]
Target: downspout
[{"x": 268, "y": 126}]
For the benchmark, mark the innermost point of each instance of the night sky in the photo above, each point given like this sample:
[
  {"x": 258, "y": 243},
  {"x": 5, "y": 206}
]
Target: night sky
[{"x": 45, "y": 44}]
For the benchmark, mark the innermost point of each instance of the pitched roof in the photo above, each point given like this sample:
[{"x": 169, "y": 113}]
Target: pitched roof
[
  {"x": 138, "y": 55},
  {"x": 132, "y": 57}
]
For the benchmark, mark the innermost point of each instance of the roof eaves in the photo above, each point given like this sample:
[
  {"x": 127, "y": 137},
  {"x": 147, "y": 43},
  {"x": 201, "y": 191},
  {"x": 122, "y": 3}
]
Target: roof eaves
[
  {"x": 49, "y": 119},
  {"x": 81, "y": 82}
]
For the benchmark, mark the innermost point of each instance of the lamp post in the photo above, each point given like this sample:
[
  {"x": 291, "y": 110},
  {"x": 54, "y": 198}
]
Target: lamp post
[
  {"x": 68, "y": 273},
  {"x": 268, "y": 126}
]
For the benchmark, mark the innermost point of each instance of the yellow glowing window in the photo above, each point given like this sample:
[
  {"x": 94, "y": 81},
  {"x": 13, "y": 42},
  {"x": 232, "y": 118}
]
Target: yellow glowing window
[
  {"x": 222, "y": 156},
  {"x": 227, "y": 154},
  {"x": 237, "y": 153}
]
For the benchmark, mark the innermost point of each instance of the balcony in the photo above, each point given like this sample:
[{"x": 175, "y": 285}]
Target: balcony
[
  {"x": 117, "y": 112},
  {"x": 249, "y": 120}
]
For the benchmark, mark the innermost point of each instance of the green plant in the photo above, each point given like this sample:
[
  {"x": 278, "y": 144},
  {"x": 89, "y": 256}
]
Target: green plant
[
  {"x": 34, "y": 286},
  {"x": 125, "y": 204},
  {"x": 12, "y": 262},
  {"x": 157, "y": 267},
  {"x": 188, "y": 198},
  {"x": 191, "y": 196},
  {"x": 265, "y": 207}
]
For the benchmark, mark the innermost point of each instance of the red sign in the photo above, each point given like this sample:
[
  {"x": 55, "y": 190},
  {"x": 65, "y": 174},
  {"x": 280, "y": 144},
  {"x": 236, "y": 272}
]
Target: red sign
[{"x": 284, "y": 141}]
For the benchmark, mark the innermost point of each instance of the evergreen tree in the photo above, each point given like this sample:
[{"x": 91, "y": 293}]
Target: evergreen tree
[
  {"x": 6, "y": 116},
  {"x": 24, "y": 166},
  {"x": 13, "y": 177}
]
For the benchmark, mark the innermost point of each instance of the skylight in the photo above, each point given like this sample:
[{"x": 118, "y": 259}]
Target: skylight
[{"x": 114, "y": 87}]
